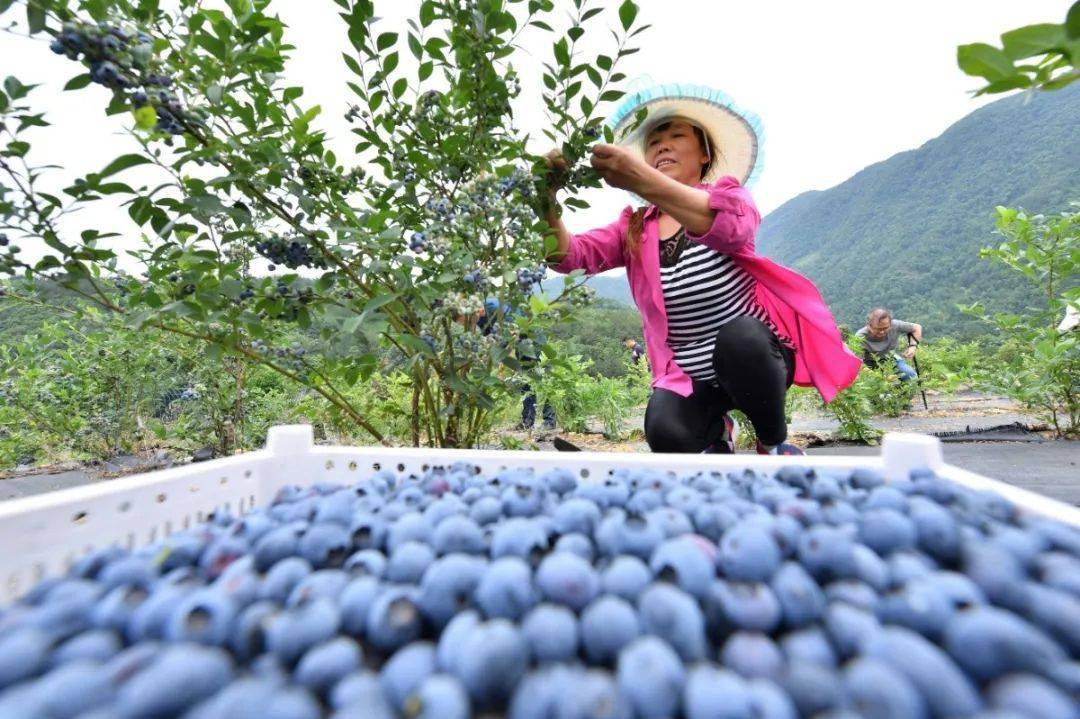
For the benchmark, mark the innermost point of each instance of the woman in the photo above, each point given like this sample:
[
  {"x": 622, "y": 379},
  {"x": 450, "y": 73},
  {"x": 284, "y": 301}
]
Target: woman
[{"x": 724, "y": 327}]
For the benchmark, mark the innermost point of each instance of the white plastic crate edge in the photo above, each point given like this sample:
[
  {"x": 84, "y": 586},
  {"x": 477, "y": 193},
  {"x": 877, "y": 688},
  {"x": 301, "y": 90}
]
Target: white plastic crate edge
[{"x": 43, "y": 535}]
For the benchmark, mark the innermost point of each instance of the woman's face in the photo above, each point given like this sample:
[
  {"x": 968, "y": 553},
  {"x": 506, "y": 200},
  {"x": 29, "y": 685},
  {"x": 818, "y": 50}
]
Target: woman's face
[{"x": 674, "y": 149}]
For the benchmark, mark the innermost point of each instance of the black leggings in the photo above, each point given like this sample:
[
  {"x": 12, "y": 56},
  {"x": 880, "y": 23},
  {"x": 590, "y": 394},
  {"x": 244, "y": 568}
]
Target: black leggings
[{"x": 753, "y": 371}]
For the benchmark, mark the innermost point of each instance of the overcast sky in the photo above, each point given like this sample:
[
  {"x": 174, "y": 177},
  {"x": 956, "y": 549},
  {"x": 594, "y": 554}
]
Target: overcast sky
[{"x": 839, "y": 84}]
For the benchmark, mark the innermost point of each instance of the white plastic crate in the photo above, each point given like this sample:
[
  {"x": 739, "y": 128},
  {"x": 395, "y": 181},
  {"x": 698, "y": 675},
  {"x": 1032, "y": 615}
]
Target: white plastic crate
[{"x": 45, "y": 534}]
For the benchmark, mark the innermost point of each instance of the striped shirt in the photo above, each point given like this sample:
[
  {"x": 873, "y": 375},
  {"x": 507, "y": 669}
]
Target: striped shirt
[{"x": 703, "y": 289}]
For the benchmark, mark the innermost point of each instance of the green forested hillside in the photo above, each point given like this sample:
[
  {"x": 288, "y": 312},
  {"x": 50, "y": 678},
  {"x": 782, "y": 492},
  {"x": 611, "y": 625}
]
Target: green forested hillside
[{"x": 905, "y": 232}]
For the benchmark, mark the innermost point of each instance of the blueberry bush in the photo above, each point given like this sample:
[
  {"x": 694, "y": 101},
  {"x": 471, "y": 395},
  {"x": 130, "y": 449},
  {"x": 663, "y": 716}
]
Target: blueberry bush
[
  {"x": 457, "y": 591},
  {"x": 252, "y": 225},
  {"x": 1044, "y": 372}
]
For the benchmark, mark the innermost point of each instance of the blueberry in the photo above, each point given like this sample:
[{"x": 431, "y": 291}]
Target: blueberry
[
  {"x": 291, "y": 633},
  {"x": 448, "y": 585},
  {"x": 325, "y": 545},
  {"x": 813, "y": 688},
  {"x": 741, "y": 605},
  {"x": 324, "y": 665},
  {"x": 801, "y": 599},
  {"x": 72, "y": 689},
  {"x": 458, "y": 534},
  {"x": 625, "y": 577},
  {"x": 438, "y": 697},
  {"x": 918, "y": 605},
  {"x": 875, "y": 689},
  {"x": 988, "y": 642},
  {"x": 809, "y": 644},
  {"x": 629, "y": 533},
  {"x": 411, "y": 527},
  {"x": 1031, "y": 696},
  {"x": 24, "y": 653},
  {"x": 366, "y": 563},
  {"x": 486, "y": 510},
  {"x": 405, "y": 671},
  {"x": 448, "y": 650},
  {"x": 673, "y": 615},
  {"x": 870, "y": 568},
  {"x": 849, "y": 627},
  {"x": 827, "y": 553},
  {"x": 247, "y": 638},
  {"x": 567, "y": 579},
  {"x": 1056, "y": 612},
  {"x": 96, "y": 645},
  {"x": 276, "y": 545},
  {"x": 368, "y": 531},
  {"x": 394, "y": 619},
  {"x": 181, "y": 676},
  {"x": 115, "y": 609},
  {"x": 769, "y": 701},
  {"x": 409, "y": 562},
  {"x": 519, "y": 537},
  {"x": 947, "y": 691},
  {"x": 576, "y": 515},
  {"x": 204, "y": 616},
  {"x": 128, "y": 571},
  {"x": 938, "y": 533},
  {"x": 886, "y": 497},
  {"x": 711, "y": 692},
  {"x": 607, "y": 625},
  {"x": 748, "y": 553},
  {"x": 491, "y": 660},
  {"x": 907, "y": 566},
  {"x": 752, "y": 654},
  {"x": 853, "y": 592},
  {"x": 886, "y": 530},
  {"x": 688, "y": 561},
  {"x": 506, "y": 590},
  {"x": 321, "y": 584},
  {"x": 551, "y": 631},
  {"x": 283, "y": 577},
  {"x": 363, "y": 691},
  {"x": 651, "y": 678},
  {"x": 578, "y": 544}
]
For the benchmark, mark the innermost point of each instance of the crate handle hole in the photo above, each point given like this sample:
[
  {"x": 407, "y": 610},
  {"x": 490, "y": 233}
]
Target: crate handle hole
[{"x": 79, "y": 517}]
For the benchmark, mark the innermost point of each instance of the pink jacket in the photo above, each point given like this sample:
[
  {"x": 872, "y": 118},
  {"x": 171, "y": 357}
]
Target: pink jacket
[{"x": 822, "y": 360}]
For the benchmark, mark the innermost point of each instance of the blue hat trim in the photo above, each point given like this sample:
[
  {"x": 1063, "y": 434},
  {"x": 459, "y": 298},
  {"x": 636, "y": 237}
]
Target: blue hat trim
[{"x": 712, "y": 96}]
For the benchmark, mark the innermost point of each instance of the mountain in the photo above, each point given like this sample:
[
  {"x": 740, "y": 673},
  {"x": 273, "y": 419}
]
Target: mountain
[
  {"x": 616, "y": 289},
  {"x": 905, "y": 233}
]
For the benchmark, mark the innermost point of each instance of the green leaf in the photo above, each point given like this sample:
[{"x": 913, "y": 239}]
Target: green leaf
[
  {"x": 145, "y": 117},
  {"x": 427, "y": 12},
  {"x": 562, "y": 52},
  {"x": 78, "y": 82},
  {"x": 425, "y": 70},
  {"x": 627, "y": 12},
  {"x": 1072, "y": 22},
  {"x": 213, "y": 94},
  {"x": 122, "y": 163},
  {"x": 984, "y": 60},
  {"x": 385, "y": 40},
  {"x": 35, "y": 16},
  {"x": 415, "y": 46},
  {"x": 1033, "y": 40},
  {"x": 400, "y": 87}
]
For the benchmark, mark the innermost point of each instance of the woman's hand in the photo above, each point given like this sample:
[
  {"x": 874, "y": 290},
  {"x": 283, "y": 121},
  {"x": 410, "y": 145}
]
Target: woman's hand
[{"x": 619, "y": 167}]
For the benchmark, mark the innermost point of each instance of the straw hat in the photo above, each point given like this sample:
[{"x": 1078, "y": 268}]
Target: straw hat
[{"x": 734, "y": 134}]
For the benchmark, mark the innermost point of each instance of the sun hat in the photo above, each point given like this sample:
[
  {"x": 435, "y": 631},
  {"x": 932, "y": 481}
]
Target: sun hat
[{"x": 733, "y": 133}]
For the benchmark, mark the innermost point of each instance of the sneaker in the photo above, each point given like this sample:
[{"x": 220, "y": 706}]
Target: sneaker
[
  {"x": 783, "y": 449},
  {"x": 726, "y": 443}
]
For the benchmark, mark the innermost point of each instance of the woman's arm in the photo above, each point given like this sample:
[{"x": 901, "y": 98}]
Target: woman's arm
[{"x": 722, "y": 217}]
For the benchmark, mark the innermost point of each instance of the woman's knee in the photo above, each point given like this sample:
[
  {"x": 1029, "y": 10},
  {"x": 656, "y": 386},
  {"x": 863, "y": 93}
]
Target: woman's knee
[
  {"x": 743, "y": 332},
  {"x": 665, "y": 430}
]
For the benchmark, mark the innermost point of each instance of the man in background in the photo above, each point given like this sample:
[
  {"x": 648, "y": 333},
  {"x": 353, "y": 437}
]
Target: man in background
[
  {"x": 634, "y": 347},
  {"x": 881, "y": 338}
]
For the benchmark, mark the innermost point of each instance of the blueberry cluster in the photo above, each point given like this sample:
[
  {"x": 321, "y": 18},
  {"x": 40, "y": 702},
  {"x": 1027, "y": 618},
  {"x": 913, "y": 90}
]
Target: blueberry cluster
[
  {"x": 121, "y": 60},
  {"x": 416, "y": 242},
  {"x": 526, "y": 278},
  {"x": 641, "y": 594},
  {"x": 293, "y": 252}
]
